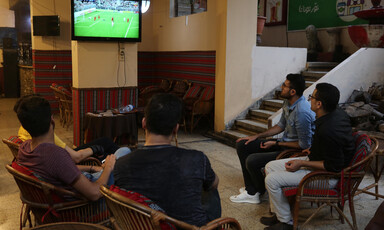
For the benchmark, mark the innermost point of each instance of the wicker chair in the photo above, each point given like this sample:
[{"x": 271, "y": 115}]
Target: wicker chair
[
  {"x": 62, "y": 96},
  {"x": 314, "y": 187},
  {"x": 180, "y": 88},
  {"x": 146, "y": 93},
  {"x": 14, "y": 147},
  {"x": 48, "y": 205},
  {"x": 70, "y": 225},
  {"x": 129, "y": 214},
  {"x": 202, "y": 106}
]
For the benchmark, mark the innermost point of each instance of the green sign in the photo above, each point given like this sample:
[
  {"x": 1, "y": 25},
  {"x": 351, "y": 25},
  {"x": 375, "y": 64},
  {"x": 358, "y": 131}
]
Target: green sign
[{"x": 325, "y": 13}]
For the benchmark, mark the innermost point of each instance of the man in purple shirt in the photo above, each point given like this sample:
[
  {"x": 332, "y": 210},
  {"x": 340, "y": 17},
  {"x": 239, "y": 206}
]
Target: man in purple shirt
[{"x": 52, "y": 163}]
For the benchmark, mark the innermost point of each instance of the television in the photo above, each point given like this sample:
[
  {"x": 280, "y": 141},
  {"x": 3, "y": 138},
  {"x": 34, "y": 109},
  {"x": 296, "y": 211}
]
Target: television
[
  {"x": 106, "y": 20},
  {"x": 47, "y": 25}
]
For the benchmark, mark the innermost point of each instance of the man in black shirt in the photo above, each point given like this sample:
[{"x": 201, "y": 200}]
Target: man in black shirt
[
  {"x": 332, "y": 150},
  {"x": 180, "y": 181}
]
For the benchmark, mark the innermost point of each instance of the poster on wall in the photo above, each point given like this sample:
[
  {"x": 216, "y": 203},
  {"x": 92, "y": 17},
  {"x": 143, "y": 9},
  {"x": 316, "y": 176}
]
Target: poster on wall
[
  {"x": 276, "y": 12},
  {"x": 324, "y": 13}
]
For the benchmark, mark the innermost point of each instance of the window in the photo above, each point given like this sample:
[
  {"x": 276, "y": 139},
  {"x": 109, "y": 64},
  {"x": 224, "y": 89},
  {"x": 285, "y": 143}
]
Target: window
[{"x": 187, "y": 7}]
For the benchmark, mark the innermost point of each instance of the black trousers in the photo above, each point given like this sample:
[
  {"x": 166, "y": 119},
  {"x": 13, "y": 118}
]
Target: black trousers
[
  {"x": 107, "y": 143},
  {"x": 253, "y": 159}
]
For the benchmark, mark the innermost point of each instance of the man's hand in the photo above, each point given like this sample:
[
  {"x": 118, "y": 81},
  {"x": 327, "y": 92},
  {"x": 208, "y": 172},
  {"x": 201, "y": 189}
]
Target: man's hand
[
  {"x": 267, "y": 144},
  {"x": 110, "y": 162},
  {"x": 248, "y": 139},
  {"x": 306, "y": 151},
  {"x": 293, "y": 165}
]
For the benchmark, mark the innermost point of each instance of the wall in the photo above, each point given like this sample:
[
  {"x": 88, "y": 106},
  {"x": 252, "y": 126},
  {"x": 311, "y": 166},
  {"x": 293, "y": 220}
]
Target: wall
[
  {"x": 241, "y": 38},
  {"x": 278, "y": 36},
  {"x": 203, "y": 32}
]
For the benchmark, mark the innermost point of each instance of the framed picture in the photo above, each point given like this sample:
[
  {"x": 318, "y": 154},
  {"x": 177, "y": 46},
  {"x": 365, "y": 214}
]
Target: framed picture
[{"x": 276, "y": 12}]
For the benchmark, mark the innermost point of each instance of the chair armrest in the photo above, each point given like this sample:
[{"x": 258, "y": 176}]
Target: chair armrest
[
  {"x": 216, "y": 224},
  {"x": 290, "y": 153}
]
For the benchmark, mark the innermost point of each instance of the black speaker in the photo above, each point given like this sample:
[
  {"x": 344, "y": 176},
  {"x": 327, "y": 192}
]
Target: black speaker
[{"x": 46, "y": 25}]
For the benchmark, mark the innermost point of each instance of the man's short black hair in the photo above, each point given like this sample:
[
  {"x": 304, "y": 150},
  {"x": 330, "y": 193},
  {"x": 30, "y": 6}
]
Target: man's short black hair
[
  {"x": 21, "y": 99},
  {"x": 162, "y": 114},
  {"x": 329, "y": 96},
  {"x": 34, "y": 114},
  {"x": 297, "y": 83}
]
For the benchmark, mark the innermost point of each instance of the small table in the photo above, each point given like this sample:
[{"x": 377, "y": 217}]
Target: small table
[{"x": 112, "y": 126}]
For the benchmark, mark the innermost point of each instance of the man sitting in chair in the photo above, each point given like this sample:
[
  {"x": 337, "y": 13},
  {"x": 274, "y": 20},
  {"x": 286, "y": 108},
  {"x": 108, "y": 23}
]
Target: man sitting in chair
[
  {"x": 332, "y": 150},
  {"x": 54, "y": 164},
  {"x": 180, "y": 181}
]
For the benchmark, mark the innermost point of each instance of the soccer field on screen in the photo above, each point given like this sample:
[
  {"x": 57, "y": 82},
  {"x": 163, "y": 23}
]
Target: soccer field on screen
[{"x": 100, "y": 24}]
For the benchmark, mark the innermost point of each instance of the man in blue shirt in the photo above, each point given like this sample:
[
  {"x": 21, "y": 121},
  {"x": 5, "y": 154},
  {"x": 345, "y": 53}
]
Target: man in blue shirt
[{"x": 297, "y": 125}]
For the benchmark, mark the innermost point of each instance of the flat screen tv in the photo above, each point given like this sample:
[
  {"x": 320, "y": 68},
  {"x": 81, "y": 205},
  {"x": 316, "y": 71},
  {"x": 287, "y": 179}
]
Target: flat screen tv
[
  {"x": 106, "y": 20},
  {"x": 47, "y": 25}
]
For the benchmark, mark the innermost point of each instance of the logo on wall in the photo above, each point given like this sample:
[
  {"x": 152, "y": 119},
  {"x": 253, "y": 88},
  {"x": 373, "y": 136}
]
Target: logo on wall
[{"x": 346, "y": 8}]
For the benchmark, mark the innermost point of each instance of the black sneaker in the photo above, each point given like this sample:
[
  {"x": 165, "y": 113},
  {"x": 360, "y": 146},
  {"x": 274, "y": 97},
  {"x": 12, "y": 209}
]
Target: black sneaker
[
  {"x": 270, "y": 220},
  {"x": 98, "y": 152}
]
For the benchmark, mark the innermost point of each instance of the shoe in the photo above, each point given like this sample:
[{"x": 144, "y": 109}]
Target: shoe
[
  {"x": 269, "y": 220},
  {"x": 242, "y": 189},
  {"x": 280, "y": 226},
  {"x": 98, "y": 152},
  {"x": 244, "y": 197}
]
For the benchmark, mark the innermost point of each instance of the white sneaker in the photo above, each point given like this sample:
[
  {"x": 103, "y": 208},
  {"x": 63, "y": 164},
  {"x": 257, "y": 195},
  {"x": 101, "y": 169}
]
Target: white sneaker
[
  {"x": 244, "y": 197},
  {"x": 242, "y": 189}
]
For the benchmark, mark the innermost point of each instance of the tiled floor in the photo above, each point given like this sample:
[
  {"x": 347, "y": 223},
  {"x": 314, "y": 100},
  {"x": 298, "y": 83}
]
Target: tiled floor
[{"x": 223, "y": 159}]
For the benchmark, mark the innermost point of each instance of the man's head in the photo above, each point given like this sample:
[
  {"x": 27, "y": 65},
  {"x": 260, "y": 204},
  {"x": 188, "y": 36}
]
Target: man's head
[
  {"x": 325, "y": 96},
  {"x": 162, "y": 114},
  {"x": 294, "y": 85},
  {"x": 34, "y": 114}
]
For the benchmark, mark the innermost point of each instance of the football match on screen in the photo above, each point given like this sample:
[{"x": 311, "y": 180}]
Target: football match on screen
[{"x": 106, "y": 18}]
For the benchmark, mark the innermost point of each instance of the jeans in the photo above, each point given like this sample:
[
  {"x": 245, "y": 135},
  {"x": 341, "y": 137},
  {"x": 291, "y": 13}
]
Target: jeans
[
  {"x": 96, "y": 175},
  {"x": 253, "y": 159}
]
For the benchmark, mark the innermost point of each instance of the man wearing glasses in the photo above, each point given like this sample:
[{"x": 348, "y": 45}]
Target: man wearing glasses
[
  {"x": 332, "y": 149},
  {"x": 254, "y": 153}
]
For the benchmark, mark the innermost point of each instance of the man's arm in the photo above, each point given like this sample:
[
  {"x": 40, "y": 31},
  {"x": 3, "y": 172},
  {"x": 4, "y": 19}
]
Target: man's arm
[
  {"x": 270, "y": 132},
  {"x": 294, "y": 165},
  {"x": 91, "y": 190},
  {"x": 80, "y": 155},
  {"x": 291, "y": 144}
]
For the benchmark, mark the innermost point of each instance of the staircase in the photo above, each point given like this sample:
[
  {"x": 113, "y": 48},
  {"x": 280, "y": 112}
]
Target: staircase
[{"x": 256, "y": 120}]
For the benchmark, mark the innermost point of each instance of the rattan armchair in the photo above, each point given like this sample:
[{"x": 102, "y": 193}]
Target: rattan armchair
[
  {"x": 314, "y": 187},
  {"x": 70, "y": 225},
  {"x": 14, "y": 147},
  {"x": 50, "y": 204},
  {"x": 129, "y": 214}
]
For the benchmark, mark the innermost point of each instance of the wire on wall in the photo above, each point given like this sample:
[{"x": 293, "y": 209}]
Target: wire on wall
[{"x": 121, "y": 56}]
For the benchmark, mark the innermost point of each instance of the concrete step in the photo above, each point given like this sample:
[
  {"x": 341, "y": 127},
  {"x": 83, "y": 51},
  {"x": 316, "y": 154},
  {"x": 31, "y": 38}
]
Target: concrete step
[
  {"x": 313, "y": 74},
  {"x": 234, "y": 134},
  {"x": 261, "y": 113},
  {"x": 321, "y": 66},
  {"x": 272, "y": 104},
  {"x": 253, "y": 126}
]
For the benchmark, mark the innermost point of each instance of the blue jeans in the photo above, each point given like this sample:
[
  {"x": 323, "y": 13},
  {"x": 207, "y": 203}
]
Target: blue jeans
[{"x": 96, "y": 175}]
